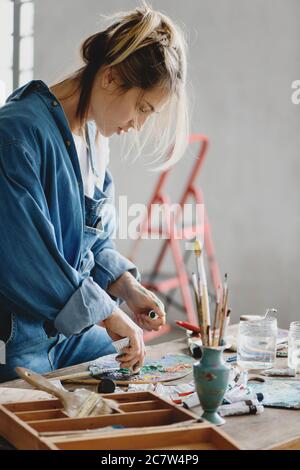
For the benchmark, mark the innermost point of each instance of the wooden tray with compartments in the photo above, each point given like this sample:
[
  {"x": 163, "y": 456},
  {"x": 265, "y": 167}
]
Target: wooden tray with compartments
[
  {"x": 291, "y": 444},
  {"x": 145, "y": 421}
]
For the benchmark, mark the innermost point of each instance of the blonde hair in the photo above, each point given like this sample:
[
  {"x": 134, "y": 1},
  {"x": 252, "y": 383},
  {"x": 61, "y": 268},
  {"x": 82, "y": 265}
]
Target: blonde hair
[{"x": 147, "y": 51}]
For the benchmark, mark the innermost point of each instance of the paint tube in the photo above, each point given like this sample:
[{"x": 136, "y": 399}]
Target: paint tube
[
  {"x": 121, "y": 344},
  {"x": 163, "y": 392},
  {"x": 191, "y": 401},
  {"x": 153, "y": 315},
  {"x": 241, "y": 393},
  {"x": 250, "y": 407},
  {"x": 178, "y": 398},
  {"x": 231, "y": 359},
  {"x": 174, "y": 393},
  {"x": 237, "y": 377},
  {"x": 141, "y": 388},
  {"x": 181, "y": 390},
  {"x": 195, "y": 347}
]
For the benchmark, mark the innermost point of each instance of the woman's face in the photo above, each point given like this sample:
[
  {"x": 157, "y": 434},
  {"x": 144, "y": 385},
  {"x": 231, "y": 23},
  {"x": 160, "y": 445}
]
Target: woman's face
[{"x": 115, "y": 113}]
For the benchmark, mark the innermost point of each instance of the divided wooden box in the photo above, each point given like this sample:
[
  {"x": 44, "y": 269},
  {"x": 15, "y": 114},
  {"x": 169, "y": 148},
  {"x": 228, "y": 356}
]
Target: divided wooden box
[
  {"x": 291, "y": 444},
  {"x": 145, "y": 421}
]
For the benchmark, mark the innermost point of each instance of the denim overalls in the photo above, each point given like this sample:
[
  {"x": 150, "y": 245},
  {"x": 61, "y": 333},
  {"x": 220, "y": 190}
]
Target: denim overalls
[{"x": 44, "y": 344}]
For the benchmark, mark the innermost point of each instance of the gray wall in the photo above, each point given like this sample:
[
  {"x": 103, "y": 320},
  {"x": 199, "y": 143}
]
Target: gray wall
[{"x": 243, "y": 57}]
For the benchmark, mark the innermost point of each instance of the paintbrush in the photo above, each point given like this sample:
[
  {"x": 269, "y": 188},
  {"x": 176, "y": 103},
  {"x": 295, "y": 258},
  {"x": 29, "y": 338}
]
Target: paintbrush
[
  {"x": 218, "y": 299},
  {"x": 76, "y": 404},
  {"x": 218, "y": 324},
  {"x": 188, "y": 326},
  {"x": 94, "y": 370},
  {"x": 226, "y": 324},
  {"x": 203, "y": 291},
  {"x": 206, "y": 315},
  {"x": 223, "y": 311},
  {"x": 198, "y": 303},
  {"x": 199, "y": 263},
  {"x": 225, "y": 300}
]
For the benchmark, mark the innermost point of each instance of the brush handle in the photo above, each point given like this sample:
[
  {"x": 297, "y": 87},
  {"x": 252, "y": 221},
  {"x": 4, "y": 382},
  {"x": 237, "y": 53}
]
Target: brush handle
[
  {"x": 77, "y": 375},
  {"x": 41, "y": 383},
  {"x": 188, "y": 326}
]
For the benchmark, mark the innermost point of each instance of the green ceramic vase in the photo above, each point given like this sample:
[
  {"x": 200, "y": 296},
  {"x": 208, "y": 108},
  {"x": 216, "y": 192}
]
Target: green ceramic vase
[{"x": 211, "y": 376}]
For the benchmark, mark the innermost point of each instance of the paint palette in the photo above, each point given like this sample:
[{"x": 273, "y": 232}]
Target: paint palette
[{"x": 169, "y": 367}]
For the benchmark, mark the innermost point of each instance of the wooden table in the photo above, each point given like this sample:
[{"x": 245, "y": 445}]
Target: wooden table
[{"x": 270, "y": 428}]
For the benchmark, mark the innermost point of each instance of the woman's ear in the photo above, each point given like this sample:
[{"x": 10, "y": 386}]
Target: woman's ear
[{"x": 106, "y": 77}]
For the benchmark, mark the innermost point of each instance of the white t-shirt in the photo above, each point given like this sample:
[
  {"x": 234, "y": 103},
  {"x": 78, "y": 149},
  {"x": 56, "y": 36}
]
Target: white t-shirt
[{"x": 101, "y": 160}]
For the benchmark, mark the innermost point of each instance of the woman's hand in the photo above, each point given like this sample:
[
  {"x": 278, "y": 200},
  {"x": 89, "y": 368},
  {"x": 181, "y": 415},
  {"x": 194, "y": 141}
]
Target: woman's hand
[
  {"x": 118, "y": 326},
  {"x": 140, "y": 301}
]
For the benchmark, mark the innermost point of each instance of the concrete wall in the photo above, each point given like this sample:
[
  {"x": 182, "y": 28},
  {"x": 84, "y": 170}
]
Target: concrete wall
[{"x": 243, "y": 58}]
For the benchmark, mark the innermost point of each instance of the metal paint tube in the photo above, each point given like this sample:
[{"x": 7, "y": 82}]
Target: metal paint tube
[
  {"x": 248, "y": 407},
  {"x": 195, "y": 348},
  {"x": 191, "y": 401},
  {"x": 237, "y": 377},
  {"x": 121, "y": 344},
  {"x": 241, "y": 393}
]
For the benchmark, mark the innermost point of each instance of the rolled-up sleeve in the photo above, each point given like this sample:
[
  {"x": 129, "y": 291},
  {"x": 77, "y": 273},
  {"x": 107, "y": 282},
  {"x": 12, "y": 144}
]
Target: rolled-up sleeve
[
  {"x": 35, "y": 278},
  {"x": 83, "y": 309},
  {"x": 110, "y": 265}
]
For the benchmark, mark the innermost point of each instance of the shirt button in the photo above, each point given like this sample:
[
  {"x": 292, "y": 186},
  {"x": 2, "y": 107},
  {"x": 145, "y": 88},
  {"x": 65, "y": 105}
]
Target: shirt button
[{"x": 54, "y": 103}]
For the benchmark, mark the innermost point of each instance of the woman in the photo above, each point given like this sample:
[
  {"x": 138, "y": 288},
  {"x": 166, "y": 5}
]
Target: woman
[{"x": 61, "y": 278}]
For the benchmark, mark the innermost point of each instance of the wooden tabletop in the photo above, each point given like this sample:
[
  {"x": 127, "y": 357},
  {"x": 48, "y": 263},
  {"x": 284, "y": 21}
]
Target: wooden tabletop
[{"x": 272, "y": 427}]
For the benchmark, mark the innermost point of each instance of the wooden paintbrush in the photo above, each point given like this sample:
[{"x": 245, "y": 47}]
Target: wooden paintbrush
[
  {"x": 198, "y": 304},
  {"x": 76, "y": 404},
  {"x": 203, "y": 291},
  {"x": 223, "y": 311},
  {"x": 216, "y": 319},
  {"x": 226, "y": 324}
]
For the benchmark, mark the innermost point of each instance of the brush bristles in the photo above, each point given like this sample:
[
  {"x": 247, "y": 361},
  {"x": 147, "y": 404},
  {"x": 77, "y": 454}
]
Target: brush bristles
[
  {"x": 197, "y": 248},
  {"x": 95, "y": 405},
  {"x": 87, "y": 403}
]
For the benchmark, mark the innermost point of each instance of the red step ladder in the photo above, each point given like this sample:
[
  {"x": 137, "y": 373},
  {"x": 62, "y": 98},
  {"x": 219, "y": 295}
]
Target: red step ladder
[{"x": 181, "y": 280}]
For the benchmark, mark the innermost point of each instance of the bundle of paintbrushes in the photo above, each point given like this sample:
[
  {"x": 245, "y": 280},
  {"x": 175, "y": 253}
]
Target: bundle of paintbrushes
[{"x": 212, "y": 336}]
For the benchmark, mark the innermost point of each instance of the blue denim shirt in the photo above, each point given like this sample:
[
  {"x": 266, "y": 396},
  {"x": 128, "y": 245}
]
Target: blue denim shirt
[{"x": 56, "y": 259}]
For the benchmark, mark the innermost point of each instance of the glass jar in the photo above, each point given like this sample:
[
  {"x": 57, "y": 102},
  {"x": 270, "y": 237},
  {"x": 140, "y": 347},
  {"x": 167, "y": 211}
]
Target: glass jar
[
  {"x": 257, "y": 343},
  {"x": 294, "y": 346}
]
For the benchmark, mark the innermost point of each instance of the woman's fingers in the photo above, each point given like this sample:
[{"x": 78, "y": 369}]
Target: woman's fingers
[
  {"x": 149, "y": 324},
  {"x": 159, "y": 308},
  {"x": 158, "y": 305},
  {"x": 133, "y": 354},
  {"x": 133, "y": 364}
]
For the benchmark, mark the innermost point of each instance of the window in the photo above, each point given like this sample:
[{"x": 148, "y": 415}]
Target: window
[{"x": 16, "y": 44}]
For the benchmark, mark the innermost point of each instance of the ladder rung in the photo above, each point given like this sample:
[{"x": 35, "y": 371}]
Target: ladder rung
[{"x": 163, "y": 286}]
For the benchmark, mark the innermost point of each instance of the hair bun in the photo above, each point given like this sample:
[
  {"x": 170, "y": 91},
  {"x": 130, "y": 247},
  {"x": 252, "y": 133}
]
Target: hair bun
[
  {"x": 161, "y": 37},
  {"x": 90, "y": 49}
]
